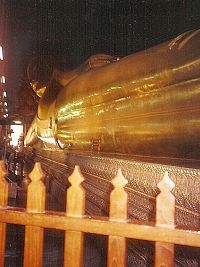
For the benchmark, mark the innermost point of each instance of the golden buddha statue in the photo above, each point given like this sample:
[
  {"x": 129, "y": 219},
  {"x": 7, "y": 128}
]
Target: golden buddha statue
[{"x": 143, "y": 104}]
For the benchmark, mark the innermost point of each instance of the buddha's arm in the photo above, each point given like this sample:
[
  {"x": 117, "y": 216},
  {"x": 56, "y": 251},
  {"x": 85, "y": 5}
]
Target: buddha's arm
[
  {"x": 146, "y": 103},
  {"x": 127, "y": 103},
  {"x": 31, "y": 136},
  {"x": 175, "y": 60},
  {"x": 95, "y": 61}
]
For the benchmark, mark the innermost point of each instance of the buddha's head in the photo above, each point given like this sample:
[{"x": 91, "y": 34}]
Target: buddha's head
[{"x": 39, "y": 72}]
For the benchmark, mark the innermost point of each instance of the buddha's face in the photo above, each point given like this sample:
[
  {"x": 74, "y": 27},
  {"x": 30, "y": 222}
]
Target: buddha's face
[{"x": 38, "y": 88}]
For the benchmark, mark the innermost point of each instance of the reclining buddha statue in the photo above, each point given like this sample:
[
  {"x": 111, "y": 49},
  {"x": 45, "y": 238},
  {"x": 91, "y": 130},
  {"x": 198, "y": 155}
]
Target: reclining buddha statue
[{"x": 144, "y": 104}]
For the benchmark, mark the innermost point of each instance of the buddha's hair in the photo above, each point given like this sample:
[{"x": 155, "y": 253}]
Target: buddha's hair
[{"x": 41, "y": 67}]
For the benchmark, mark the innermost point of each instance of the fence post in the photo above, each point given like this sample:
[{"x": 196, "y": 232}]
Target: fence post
[
  {"x": 165, "y": 215},
  {"x": 118, "y": 212},
  {"x": 3, "y": 203},
  {"x": 33, "y": 246},
  {"x": 75, "y": 207}
]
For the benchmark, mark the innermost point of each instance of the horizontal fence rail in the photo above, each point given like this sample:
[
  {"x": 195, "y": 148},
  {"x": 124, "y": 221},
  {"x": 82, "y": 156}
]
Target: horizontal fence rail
[{"x": 75, "y": 223}]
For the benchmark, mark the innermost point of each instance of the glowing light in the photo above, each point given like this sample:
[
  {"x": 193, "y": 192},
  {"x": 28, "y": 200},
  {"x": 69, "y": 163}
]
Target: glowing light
[
  {"x": 3, "y": 79},
  {"x": 5, "y": 104},
  {"x": 4, "y": 94},
  {"x": 17, "y": 122},
  {"x": 17, "y": 131},
  {"x": 1, "y": 52}
]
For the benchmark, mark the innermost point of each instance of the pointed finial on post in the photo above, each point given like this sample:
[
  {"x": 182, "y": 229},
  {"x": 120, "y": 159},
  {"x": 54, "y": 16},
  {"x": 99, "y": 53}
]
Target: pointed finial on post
[
  {"x": 118, "y": 198},
  {"x": 75, "y": 205},
  {"x": 3, "y": 171},
  {"x": 36, "y": 190},
  {"x": 118, "y": 212},
  {"x": 3, "y": 203},
  {"x": 76, "y": 178},
  {"x": 34, "y": 235},
  {"x": 166, "y": 184},
  {"x": 37, "y": 173},
  {"x": 3, "y": 185},
  {"x": 165, "y": 202},
  {"x": 165, "y": 215},
  {"x": 119, "y": 181}
]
